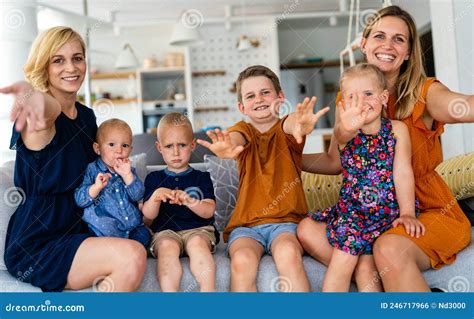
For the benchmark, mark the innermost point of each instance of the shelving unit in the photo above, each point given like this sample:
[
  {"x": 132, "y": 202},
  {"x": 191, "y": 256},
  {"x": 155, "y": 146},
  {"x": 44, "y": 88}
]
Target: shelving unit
[
  {"x": 304, "y": 65},
  {"x": 156, "y": 90},
  {"x": 201, "y": 109},
  {"x": 113, "y": 75},
  {"x": 208, "y": 73},
  {"x": 119, "y": 101}
]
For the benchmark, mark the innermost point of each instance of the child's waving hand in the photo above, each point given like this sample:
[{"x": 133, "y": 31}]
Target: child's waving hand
[
  {"x": 222, "y": 144},
  {"x": 301, "y": 122}
]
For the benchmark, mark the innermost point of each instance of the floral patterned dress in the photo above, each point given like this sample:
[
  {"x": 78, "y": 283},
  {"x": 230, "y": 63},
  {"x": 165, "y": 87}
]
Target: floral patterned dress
[{"x": 367, "y": 203}]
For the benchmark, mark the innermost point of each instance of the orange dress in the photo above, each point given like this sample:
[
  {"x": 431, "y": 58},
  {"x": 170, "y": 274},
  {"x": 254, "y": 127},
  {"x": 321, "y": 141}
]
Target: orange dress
[{"x": 448, "y": 230}]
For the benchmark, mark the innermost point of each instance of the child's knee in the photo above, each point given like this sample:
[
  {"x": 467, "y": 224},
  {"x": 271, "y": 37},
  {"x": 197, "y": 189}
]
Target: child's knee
[
  {"x": 243, "y": 260},
  {"x": 198, "y": 243},
  {"x": 287, "y": 250},
  {"x": 166, "y": 246}
]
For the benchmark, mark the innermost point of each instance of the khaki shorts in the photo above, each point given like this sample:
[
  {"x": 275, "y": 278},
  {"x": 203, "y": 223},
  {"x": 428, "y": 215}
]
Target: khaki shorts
[{"x": 183, "y": 236}]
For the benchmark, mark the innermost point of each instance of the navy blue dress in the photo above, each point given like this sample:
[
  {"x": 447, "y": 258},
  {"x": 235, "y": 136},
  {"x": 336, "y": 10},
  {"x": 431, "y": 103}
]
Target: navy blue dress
[{"x": 46, "y": 230}]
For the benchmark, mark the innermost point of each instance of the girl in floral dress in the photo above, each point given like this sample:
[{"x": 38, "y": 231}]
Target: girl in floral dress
[{"x": 378, "y": 184}]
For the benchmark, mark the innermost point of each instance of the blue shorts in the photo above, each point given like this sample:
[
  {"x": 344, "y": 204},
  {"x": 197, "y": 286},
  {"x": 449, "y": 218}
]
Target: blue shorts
[{"x": 264, "y": 234}]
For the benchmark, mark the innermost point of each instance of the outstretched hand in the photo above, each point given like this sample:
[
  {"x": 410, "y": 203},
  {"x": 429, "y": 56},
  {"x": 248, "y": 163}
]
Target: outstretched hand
[
  {"x": 29, "y": 108},
  {"x": 352, "y": 113},
  {"x": 305, "y": 118},
  {"x": 221, "y": 144}
]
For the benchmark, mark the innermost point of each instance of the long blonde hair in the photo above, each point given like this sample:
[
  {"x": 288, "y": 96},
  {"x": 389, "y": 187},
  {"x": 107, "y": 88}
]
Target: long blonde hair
[
  {"x": 412, "y": 75},
  {"x": 41, "y": 52}
]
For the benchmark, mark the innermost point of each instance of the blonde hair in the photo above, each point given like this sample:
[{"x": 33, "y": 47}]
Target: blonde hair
[
  {"x": 112, "y": 124},
  {"x": 412, "y": 74},
  {"x": 41, "y": 52},
  {"x": 364, "y": 68},
  {"x": 256, "y": 70},
  {"x": 174, "y": 119}
]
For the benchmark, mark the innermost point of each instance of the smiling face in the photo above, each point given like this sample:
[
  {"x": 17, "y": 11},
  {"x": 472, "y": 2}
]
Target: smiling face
[
  {"x": 113, "y": 143},
  {"x": 176, "y": 145},
  {"x": 67, "y": 68},
  {"x": 260, "y": 101},
  {"x": 375, "y": 97},
  {"x": 388, "y": 44}
]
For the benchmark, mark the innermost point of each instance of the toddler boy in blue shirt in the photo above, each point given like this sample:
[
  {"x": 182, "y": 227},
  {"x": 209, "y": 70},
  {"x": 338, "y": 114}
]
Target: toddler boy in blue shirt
[
  {"x": 111, "y": 189},
  {"x": 180, "y": 201}
]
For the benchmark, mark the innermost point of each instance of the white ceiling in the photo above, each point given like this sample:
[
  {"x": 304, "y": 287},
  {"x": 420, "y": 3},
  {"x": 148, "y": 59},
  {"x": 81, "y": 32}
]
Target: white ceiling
[{"x": 135, "y": 11}]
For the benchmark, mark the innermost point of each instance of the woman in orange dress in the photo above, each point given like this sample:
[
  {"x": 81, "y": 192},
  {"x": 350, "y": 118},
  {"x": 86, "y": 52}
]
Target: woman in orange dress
[{"x": 390, "y": 41}]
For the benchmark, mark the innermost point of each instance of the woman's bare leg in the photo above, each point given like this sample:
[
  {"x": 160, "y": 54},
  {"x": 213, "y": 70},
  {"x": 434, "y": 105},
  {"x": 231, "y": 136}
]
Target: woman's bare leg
[
  {"x": 110, "y": 264},
  {"x": 400, "y": 262}
]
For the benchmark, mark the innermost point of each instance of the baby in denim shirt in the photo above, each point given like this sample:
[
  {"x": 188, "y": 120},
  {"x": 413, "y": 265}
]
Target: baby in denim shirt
[{"x": 111, "y": 189}]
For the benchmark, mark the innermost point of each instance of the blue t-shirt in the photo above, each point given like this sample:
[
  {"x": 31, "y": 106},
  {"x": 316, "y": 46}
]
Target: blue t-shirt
[{"x": 196, "y": 183}]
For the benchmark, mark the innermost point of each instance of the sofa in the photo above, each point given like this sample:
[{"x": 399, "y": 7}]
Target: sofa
[{"x": 321, "y": 191}]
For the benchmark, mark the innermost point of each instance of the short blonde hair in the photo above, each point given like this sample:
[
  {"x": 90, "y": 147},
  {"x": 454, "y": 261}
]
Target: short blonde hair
[
  {"x": 112, "y": 124},
  {"x": 174, "y": 119},
  {"x": 364, "y": 69},
  {"x": 41, "y": 52}
]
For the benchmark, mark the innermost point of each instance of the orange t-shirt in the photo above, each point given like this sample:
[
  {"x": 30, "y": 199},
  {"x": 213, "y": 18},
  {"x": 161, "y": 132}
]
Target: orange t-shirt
[{"x": 270, "y": 186}]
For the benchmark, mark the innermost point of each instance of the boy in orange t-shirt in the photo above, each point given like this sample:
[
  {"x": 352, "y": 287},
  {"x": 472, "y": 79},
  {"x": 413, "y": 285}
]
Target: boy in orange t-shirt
[{"x": 271, "y": 200}]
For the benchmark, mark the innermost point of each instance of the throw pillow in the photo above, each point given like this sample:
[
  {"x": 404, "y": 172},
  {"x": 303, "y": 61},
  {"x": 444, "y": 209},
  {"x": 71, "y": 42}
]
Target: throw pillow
[{"x": 225, "y": 178}]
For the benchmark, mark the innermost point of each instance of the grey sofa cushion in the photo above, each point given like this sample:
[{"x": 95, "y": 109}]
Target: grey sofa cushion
[
  {"x": 139, "y": 162},
  {"x": 11, "y": 197},
  {"x": 225, "y": 179}
]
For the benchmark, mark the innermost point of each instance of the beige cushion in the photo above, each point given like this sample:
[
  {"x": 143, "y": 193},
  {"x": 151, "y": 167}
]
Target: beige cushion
[
  {"x": 321, "y": 191},
  {"x": 458, "y": 173}
]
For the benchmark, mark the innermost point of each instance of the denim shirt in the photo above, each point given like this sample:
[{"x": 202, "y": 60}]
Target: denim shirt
[{"x": 114, "y": 211}]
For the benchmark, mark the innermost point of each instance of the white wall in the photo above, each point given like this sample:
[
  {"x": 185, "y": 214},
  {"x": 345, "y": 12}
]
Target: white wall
[
  {"x": 17, "y": 31},
  {"x": 145, "y": 41},
  {"x": 220, "y": 53},
  {"x": 453, "y": 49}
]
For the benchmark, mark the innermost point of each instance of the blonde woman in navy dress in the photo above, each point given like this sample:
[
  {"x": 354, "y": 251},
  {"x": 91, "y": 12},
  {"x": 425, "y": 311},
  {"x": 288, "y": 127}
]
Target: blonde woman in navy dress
[{"x": 53, "y": 136}]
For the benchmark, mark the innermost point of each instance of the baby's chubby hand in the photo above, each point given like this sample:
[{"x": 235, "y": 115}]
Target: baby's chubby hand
[
  {"x": 123, "y": 166},
  {"x": 101, "y": 180}
]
